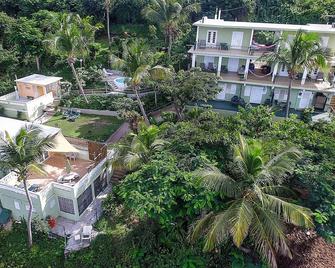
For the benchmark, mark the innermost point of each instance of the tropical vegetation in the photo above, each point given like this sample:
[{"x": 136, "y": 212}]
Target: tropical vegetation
[
  {"x": 201, "y": 189},
  {"x": 304, "y": 52},
  {"x": 20, "y": 154}
]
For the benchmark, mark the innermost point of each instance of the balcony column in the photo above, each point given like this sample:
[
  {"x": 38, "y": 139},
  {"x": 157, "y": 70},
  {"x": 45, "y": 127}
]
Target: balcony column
[
  {"x": 304, "y": 76},
  {"x": 275, "y": 70},
  {"x": 246, "y": 71},
  {"x": 193, "y": 60},
  {"x": 219, "y": 67}
]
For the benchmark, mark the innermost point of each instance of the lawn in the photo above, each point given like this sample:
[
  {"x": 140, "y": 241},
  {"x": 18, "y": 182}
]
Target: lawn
[{"x": 91, "y": 127}]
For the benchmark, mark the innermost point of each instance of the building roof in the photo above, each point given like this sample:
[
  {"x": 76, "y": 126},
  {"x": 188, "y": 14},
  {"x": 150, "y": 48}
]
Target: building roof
[
  {"x": 39, "y": 79},
  {"x": 325, "y": 28},
  {"x": 13, "y": 126}
]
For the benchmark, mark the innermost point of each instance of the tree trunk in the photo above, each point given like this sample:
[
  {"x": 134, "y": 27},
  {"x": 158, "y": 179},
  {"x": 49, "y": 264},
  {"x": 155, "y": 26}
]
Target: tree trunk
[
  {"x": 77, "y": 79},
  {"x": 37, "y": 59},
  {"x": 179, "y": 115},
  {"x": 108, "y": 30},
  {"x": 169, "y": 46},
  {"x": 146, "y": 120},
  {"x": 156, "y": 104},
  {"x": 30, "y": 214},
  {"x": 287, "y": 112}
]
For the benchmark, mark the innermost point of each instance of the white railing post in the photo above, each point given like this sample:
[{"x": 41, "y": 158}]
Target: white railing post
[
  {"x": 193, "y": 60},
  {"x": 246, "y": 71},
  {"x": 219, "y": 67},
  {"x": 304, "y": 76},
  {"x": 275, "y": 70}
]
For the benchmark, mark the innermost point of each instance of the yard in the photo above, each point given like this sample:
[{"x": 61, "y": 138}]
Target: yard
[{"x": 91, "y": 127}]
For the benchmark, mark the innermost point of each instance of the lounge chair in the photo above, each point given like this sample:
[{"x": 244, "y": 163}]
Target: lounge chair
[{"x": 87, "y": 233}]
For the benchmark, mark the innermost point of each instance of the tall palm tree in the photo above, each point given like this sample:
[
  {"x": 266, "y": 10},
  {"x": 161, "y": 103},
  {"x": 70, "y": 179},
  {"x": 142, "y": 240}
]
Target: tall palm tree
[
  {"x": 168, "y": 15},
  {"x": 304, "y": 51},
  {"x": 136, "y": 149},
  {"x": 257, "y": 203},
  {"x": 138, "y": 63},
  {"x": 21, "y": 154},
  {"x": 108, "y": 5},
  {"x": 73, "y": 39}
]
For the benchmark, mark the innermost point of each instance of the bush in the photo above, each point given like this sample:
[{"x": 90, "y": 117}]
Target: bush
[
  {"x": 14, "y": 250},
  {"x": 111, "y": 103}
]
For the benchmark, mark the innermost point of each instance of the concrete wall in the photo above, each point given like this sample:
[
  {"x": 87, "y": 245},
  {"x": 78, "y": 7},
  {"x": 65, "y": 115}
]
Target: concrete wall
[
  {"x": 45, "y": 203},
  {"x": 29, "y": 110},
  {"x": 225, "y": 35}
]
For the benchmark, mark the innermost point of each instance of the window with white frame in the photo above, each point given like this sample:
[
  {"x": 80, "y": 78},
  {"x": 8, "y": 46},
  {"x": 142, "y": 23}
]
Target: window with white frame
[
  {"x": 211, "y": 37},
  {"x": 17, "y": 205}
]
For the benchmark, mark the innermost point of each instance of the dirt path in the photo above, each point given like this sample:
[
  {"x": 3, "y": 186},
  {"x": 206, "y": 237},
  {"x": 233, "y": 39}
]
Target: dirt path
[
  {"x": 119, "y": 133},
  {"x": 309, "y": 251}
]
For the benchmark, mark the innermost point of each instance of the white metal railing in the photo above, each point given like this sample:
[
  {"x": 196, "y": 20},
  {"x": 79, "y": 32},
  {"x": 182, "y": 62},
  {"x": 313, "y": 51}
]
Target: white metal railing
[
  {"x": 11, "y": 96},
  {"x": 92, "y": 173}
]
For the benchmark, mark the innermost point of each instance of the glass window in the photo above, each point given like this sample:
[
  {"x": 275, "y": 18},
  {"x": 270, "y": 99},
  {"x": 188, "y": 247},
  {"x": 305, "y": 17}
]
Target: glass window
[
  {"x": 84, "y": 200},
  {"x": 100, "y": 183},
  {"x": 66, "y": 205}
]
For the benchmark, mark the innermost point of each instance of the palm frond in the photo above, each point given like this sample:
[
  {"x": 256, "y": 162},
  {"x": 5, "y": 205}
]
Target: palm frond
[
  {"x": 262, "y": 241},
  {"x": 241, "y": 221},
  {"x": 215, "y": 180},
  {"x": 291, "y": 213}
]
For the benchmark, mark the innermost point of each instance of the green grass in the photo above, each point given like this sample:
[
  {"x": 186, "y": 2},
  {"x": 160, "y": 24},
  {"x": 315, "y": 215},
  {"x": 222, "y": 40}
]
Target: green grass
[{"x": 91, "y": 127}]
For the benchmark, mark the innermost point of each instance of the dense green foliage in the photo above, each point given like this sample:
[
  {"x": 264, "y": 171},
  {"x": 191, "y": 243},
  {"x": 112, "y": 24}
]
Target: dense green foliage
[
  {"x": 148, "y": 215},
  {"x": 15, "y": 253},
  {"x": 158, "y": 191}
]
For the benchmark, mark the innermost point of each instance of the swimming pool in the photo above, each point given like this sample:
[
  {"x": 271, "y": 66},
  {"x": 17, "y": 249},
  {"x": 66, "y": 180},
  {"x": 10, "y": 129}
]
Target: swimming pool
[{"x": 121, "y": 82}]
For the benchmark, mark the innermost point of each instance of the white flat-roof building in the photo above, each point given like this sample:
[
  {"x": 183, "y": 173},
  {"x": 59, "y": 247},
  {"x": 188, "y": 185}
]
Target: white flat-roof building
[{"x": 32, "y": 94}]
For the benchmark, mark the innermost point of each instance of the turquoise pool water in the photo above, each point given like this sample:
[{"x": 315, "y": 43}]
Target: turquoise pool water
[{"x": 121, "y": 81}]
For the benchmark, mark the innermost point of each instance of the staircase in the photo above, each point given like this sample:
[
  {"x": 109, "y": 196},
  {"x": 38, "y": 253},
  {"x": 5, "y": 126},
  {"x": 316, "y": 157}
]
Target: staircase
[
  {"x": 332, "y": 103},
  {"x": 118, "y": 175}
]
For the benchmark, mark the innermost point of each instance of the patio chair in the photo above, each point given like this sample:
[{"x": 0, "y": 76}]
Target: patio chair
[
  {"x": 87, "y": 233},
  {"x": 211, "y": 66},
  {"x": 224, "y": 46},
  {"x": 202, "y": 44},
  {"x": 319, "y": 77},
  {"x": 202, "y": 66}
]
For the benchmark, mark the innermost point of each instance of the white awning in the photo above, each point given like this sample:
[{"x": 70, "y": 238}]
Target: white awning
[{"x": 61, "y": 145}]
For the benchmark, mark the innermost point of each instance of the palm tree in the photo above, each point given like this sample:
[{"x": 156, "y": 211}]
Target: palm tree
[
  {"x": 138, "y": 63},
  {"x": 21, "y": 154},
  {"x": 304, "y": 52},
  {"x": 108, "y": 4},
  {"x": 136, "y": 149},
  {"x": 168, "y": 15},
  {"x": 73, "y": 39},
  {"x": 257, "y": 203}
]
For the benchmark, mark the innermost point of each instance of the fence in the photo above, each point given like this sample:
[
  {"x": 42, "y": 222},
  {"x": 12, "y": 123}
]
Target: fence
[{"x": 95, "y": 112}]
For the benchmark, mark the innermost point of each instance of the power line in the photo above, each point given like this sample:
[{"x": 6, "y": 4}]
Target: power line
[{"x": 230, "y": 9}]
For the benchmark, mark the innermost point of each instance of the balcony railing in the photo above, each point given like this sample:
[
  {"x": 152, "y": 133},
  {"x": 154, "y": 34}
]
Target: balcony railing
[{"x": 250, "y": 50}]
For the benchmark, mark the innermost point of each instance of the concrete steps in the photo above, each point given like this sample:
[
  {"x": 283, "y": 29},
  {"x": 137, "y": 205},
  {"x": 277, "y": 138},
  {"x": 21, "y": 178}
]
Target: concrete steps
[{"x": 118, "y": 175}]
